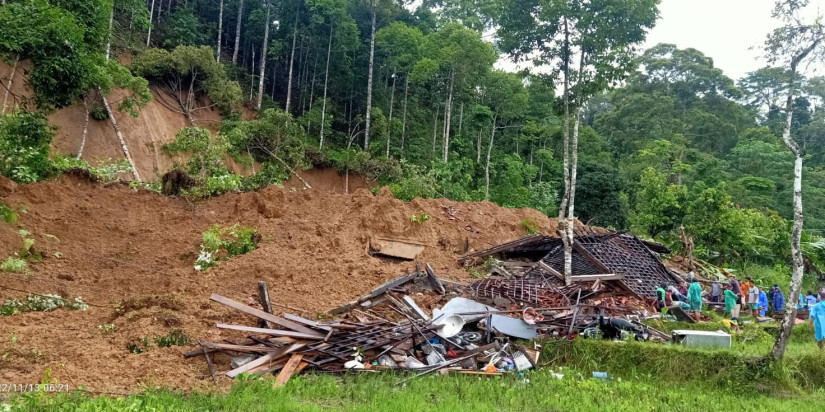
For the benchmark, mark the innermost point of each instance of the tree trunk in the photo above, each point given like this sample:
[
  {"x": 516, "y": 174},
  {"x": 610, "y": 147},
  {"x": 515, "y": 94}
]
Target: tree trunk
[
  {"x": 274, "y": 78},
  {"x": 478, "y": 147},
  {"x": 435, "y": 130},
  {"x": 263, "y": 61},
  {"x": 448, "y": 119},
  {"x": 326, "y": 80},
  {"x": 151, "y": 12},
  {"x": 11, "y": 80},
  {"x": 574, "y": 160},
  {"x": 312, "y": 83},
  {"x": 369, "y": 82},
  {"x": 460, "y": 119},
  {"x": 120, "y": 137},
  {"x": 404, "y": 116},
  {"x": 238, "y": 32},
  {"x": 220, "y": 32},
  {"x": 109, "y": 33},
  {"x": 85, "y": 129},
  {"x": 389, "y": 122},
  {"x": 778, "y": 350},
  {"x": 252, "y": 78},
  {"x": 291, "y": 62},
  {"x": 487, "y": 168},
  {"x": 568, "y": 245}
]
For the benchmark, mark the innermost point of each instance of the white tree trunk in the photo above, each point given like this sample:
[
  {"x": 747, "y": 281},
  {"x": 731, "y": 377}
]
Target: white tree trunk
[
  {"x": 109, "y": 34},
  {"x": 562, "y": 222},
  {"x": 238, "y": 32},
  {"x": 120, "y": 137},
  {"x": 435, "y": 130},
  {"x": 478, "y": 147},
  {"x": 404, "y": 116},
  {"x": 369, "y": 82},
  {"x": 151, "y": 13},
  {"x": 11, "y": 80},
  {"x": 291, "y": 63},
  {"x": 574, "y": 160},
  {"x": 487, "y": 168},
  {"x": 220, "y": 32},
  {"x": 389, "y": 122},
  {"x": 448, "y": 119},
  {"x": 263, "y": 61},
  {"x": 460, "y": 119},
  {"x": 789, "y": 317},
  {"x": 85, "y": 129},
  {"x": 326, "y": 80}
]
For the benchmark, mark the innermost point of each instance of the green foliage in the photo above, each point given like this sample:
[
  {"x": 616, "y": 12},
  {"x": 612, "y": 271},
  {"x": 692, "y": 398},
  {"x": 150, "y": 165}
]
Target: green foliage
[
  {"x": 25, "y": 139},
  {"x": 41, "y": 303},
  {"x": 105, "y": 171},
  {"x": 225, "y": 242},
  {"x": 531, "y": 227},
  {"x": 175, "y": 338},
  {"x": 7, "y": 214},
  {"x": 206, "y": 151},
  {"x": 13, "y": 265},
  {"x": 420, "y": 218},
  {"x": 99, "y": 113},
  {"x": 139, "y": 346},
  {"x": 190, "y": 69},
  {"x": 183, "y": 28}
]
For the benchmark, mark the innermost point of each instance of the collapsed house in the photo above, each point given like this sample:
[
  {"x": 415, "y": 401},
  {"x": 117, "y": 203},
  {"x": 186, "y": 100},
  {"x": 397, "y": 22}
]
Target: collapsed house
[{"x": 424, "y": 323}]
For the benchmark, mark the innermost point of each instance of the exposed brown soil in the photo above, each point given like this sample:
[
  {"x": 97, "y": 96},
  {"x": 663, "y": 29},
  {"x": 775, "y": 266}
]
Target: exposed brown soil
[{"x": 121, "y": 245}]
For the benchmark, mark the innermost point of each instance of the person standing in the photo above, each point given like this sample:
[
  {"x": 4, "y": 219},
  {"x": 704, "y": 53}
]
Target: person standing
[
  {"x": 660, "y": 297},
  {"x": 753, "y": 298},
  {"x": 715, "y": 292},
  {"x": 810, "y": 300},
  {"x": 694, "y": 294},
  {"x": 734, "y": 285},
  {"x": 763, "y": 302},
  {"x": 778, "y": 299},
  {"x": 816, "y": 317}
]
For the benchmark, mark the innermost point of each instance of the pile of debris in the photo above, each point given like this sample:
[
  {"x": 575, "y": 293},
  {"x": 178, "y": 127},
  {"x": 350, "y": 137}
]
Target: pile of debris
[{"x": 423, "y": 323}]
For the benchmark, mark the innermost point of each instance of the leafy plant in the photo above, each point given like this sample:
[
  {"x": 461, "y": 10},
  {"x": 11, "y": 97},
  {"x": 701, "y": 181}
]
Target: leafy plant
[
  {"x": 99, "y": 112},
  {"x": 13, "y": 265},
  {"x": 25, "y": 139},
  {"x": 105, "y": 171},
  {"x": 139, "y": 346},
  {"x": 231, "y": 241},
  {"x": 420, "y": 218},
  {"x": 7, "y": 214},
  {"x": 42, "y": 303},
  {"x": 175, "y": 338},
  {"x": 106, "y": 328},
  {"x": 530, "y": 226}
]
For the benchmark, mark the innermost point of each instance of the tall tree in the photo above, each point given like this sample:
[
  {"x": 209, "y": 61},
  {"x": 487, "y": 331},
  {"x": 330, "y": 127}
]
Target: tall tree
[
  {"x": 267, "y": 23},
  {"x": 220, "y": 31},
  {"x": 373, "y": 7},
  {"x": 794, "y": 43},
  {"x": 589, "y": 44},
  {"x": 238, "y": 32}
]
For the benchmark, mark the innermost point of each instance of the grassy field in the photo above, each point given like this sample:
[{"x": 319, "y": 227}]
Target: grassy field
[{"x": 536, "y": 391}]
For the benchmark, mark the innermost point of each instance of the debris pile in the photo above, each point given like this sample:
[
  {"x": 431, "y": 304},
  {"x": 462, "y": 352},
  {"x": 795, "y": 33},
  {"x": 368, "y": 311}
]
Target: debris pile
[{"x": 423, "y": 323}]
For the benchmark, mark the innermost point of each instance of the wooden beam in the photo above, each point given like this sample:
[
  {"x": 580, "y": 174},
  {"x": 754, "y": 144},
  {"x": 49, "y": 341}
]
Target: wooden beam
[
  {"x": 288, "y": 369},
  {"x": 263, "y": 298},
  {"x": 602, "y": 277},
  {"x": 501, "y": 247},
  {"x": 252, "y": 364},
  {"x": 305, "y": 321},
  {"x": 586, "y": 253},
  {"x": 265, "y": 316},
  {"x": 273, "y": 332},
  {"x": 240, "y": 348},
  {"x": 547, "y": 268}
]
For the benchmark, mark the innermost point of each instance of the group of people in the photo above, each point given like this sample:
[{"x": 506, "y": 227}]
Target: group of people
[{"x": 690, "y": 297}]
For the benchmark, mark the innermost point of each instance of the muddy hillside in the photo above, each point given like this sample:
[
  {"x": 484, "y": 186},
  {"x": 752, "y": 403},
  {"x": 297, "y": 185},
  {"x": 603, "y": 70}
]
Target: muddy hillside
[{"x": 130, "y": 255}]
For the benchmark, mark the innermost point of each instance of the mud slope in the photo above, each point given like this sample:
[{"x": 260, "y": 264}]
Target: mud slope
[{"x": 117, "y": 244}]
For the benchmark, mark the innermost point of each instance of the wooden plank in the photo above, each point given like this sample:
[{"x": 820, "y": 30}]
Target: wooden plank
[
  {"x": 305, "y": 321},
  {"x": 402, "y": 249},
  {"x": 263, "y": 315},
  {"x": 288, "y": 370},
  {"x": 252, "y": 364},
  {"x": 209, "y": 364},
  {"x": 547, "y": 268},
  {"x": 434, "y": 281},
  {"x": 273, "y": 332},
  {"x": 239, "y": 348},
  {"x": 602, "y": 277}
]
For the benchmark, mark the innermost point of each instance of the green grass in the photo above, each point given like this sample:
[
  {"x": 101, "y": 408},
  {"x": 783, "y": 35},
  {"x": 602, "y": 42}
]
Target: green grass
[{"x": 381, "y": 392}]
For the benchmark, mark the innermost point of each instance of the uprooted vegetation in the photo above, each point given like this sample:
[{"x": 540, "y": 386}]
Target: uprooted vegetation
[
  {"x": 41, "y": 303},
  {"x": 221, "y": 243}
]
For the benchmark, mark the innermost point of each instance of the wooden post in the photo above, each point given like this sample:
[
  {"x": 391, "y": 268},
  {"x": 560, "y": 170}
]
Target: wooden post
[{"x": 263, "y": 297}]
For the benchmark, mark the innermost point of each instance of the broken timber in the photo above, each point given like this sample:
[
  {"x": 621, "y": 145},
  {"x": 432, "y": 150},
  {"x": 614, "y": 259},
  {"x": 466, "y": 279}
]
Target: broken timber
[
  {"x": 265, "y": 316},
  {"x": 402, "y": 249}
]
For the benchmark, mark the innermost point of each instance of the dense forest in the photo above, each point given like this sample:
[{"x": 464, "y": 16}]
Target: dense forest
[{"x": 410, "y": 95}]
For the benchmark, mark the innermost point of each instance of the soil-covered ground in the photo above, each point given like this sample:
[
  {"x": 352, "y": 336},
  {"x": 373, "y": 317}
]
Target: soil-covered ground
[{"x": 130, "y": 255}]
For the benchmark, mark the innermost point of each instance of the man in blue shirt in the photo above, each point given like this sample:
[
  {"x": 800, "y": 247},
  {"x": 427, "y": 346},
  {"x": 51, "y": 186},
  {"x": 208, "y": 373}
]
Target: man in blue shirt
[
  {"x": 763, "y": 302},
  {"x": 817, "y": 319},
  {"x": 778, "y": 299}
]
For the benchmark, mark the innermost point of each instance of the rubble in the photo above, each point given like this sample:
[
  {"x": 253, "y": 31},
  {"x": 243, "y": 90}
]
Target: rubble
[{"x": 424, "y": 323}]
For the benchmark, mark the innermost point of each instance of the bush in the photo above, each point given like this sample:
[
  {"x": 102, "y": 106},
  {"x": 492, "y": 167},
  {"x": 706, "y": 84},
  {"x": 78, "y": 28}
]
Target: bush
[
  {"x": 174, "y": 338},
  {"x": 530, "y": 226},
  {"x": 41, "y": 303},
  {"x": 105, "y": 171},
  {"x": 13, "y": 265},
  {"x": 225, "y": 242},
  {"x": 7, "y": 214},
  {"x": 25, "y": 139},
  {"x": 99, "y": 113}
]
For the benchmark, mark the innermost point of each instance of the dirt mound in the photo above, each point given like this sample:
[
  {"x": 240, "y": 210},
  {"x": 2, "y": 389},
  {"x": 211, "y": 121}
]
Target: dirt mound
[{"x": 130, "y": 255}]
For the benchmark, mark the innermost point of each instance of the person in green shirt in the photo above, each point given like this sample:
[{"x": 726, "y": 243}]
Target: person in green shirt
[
  {"x": 660, "y": 297},
  {"x": 695, "y": 300}
]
